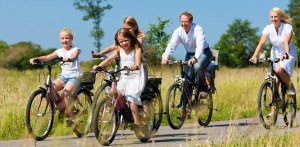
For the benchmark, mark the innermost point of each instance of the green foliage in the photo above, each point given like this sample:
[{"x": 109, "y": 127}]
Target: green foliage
[
  {"x": 238, "y": 44},
  {"x": 294, "y": 12},
  {"x": 3, "y": 46},
  {"x": 93, "y": 10},
  {"x": 18, "y": 55},
  {"x": 156, "y": 40}
]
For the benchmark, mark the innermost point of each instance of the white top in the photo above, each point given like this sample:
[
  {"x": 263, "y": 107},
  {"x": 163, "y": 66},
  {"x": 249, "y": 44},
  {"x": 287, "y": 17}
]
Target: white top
[
  {"x": 278, "y": 40},
  {"x": 132, "y": 85},
  {"x": 69, "y": 69},
  {"x": 193, "y": 42},
  {"x": 278, "y": 45}
]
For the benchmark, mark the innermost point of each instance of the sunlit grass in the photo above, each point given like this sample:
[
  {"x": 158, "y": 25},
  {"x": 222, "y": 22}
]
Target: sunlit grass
[{"x": 236, "y": 96}]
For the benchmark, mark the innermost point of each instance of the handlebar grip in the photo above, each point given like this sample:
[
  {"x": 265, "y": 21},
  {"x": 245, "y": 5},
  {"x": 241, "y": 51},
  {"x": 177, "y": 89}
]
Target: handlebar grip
[
  {"x": 36, "y": 61},
  {"x": 99, "y": 68},
  {"x": 92, "y": 52}
]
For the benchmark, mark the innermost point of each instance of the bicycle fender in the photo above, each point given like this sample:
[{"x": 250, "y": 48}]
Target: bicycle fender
[{"x": 44, "y": 91}]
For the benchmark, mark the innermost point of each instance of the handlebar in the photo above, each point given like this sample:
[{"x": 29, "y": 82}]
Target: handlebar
[
  {"x": 276, "y": 60},
  {"x": 59, "y": 59},
  {"x": 99, "y": 69},
  {"x": 102, "y": 57},
  {"x": 170, "y": 62}
]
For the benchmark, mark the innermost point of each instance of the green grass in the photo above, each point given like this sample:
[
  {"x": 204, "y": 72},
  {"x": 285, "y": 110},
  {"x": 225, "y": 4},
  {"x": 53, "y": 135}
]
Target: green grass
[{"x": 236, "y": 96}]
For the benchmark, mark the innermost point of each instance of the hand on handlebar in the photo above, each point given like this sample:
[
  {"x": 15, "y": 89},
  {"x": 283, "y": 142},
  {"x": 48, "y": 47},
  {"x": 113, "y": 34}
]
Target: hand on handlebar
[
  {"x": 253, "y": 60},
  {"x": 164, "y": 61},
  {"x": 284, "y": 57},
  {"x": 192, "y": 61}
]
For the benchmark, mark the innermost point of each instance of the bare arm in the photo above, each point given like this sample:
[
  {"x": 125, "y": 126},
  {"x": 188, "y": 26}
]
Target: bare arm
[
  {"x": 287, "y": 42},
  {"x": 105, "y": 51},
  {"x": 107, "y": 61},
  {"x": 45, "y": 58},
  {"x": 138, "y": 54},
  {"x": 260, "y": 45}
]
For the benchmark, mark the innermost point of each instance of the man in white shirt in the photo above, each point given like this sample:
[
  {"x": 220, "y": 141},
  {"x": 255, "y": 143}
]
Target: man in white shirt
[{"x": 198, "y": 53}]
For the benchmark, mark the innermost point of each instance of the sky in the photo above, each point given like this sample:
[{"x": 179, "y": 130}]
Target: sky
[{"x": 40, "y": 21}]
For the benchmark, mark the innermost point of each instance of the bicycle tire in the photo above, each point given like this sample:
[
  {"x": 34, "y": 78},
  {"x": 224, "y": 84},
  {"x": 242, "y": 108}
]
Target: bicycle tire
[
  {"x": 291, "y": 110},
  {"x": 175, "y": 117},
  {"x": 100, "y": 123},
  {"x": 264, "y": 105},
  {"x": 36, "y": 127},
  {"x": 205, "y": 110},
  {"x": 82, "y": 112},
  {"x": 147, "y": 120},
  {"x": 100, "y": 93},
  {"x": 158, "y": 111}
]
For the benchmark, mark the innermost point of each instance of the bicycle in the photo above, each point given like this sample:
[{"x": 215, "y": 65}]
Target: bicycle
[
  {"x": 41, "y": 107},
  {"x": 108, "y": 115},
  {"x": 183, "y": 93},
  {"x": 151, "y": 91},
  {"x": 269, "y": 96}
]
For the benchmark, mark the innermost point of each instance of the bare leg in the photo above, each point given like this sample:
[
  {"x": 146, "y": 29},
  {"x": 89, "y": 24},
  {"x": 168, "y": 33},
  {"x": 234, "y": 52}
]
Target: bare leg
[
  {"x": 207, "y": 78},
  {"x": 284, "y": 76},
  {"x": 64, "y": 95},
  {"x": 58, "y": 85},
  {"x": 135, "y": 112}
]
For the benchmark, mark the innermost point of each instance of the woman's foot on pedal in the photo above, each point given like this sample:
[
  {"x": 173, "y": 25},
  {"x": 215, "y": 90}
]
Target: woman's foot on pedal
[{"x": 292, "y": 92}]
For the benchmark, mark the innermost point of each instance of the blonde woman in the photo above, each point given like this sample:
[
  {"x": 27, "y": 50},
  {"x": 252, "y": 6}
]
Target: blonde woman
[{"x": 280, "y": 33}]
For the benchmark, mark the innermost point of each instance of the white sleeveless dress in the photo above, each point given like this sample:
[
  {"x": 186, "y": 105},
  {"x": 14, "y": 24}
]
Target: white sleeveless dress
[{"x": 132, "y": 85}]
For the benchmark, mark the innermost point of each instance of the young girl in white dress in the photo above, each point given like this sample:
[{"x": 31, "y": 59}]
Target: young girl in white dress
[
  {"x": 280, "y": 33},
  {"x": 129, "y": 86}
]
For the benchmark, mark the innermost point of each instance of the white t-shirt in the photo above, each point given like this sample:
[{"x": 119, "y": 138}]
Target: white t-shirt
[
  {"x": 277, "y": 41},
  {"x": 193, "y": 41},
  {"x": 69, "y": 69}
]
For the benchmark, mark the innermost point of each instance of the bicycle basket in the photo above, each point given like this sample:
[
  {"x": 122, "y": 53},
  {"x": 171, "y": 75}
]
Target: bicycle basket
[
  {"x": 151, "y": 87},
  {"x": 88, "y": 78}
]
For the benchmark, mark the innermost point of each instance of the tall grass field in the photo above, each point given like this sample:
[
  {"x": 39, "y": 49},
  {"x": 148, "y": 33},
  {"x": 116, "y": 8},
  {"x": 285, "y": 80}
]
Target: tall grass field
[{"x": 236, "y": 95}]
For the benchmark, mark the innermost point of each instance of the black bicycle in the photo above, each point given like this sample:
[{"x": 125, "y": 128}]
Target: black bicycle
[
  {"x": 270, "y": 96},
  {"x": 182, "y": 94},
  {"x": 41, "y": 107}
]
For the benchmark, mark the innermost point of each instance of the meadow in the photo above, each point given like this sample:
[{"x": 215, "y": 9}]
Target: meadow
[{"x": 236, "y": 95}]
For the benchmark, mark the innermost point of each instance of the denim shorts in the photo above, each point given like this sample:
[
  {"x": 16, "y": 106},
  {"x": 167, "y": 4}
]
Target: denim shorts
[{"x": 73, "y": 80}]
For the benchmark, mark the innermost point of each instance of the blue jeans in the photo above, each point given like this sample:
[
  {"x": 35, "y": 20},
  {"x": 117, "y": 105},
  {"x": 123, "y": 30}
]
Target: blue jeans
[{"x": 199, "y": 68}]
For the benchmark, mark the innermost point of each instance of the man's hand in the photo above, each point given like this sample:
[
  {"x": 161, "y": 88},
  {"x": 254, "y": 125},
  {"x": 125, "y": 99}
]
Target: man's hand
[
  {"x": 192, "y": 61},
  {"x": 164, "y": 61}
]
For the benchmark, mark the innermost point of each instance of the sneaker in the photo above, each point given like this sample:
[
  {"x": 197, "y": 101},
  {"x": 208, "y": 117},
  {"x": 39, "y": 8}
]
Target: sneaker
[
  {"x": 292, "y": 92},
  {"x": 269, "y": 115},
  {"x": 70, "y": 123},
  {"x": 203, "y": 95}
]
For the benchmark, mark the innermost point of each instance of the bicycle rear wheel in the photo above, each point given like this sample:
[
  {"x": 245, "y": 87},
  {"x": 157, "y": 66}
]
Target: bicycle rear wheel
[
  {"x": 265, "y": 105},
  {"x": 175, "y": 106},
  {"x": 204, "y": 110},
  {"x": 82, "y": 112},
  {"x": 39, "y": 115},
  {"x": 290, "y": 110},
  {"x": 106, "y": 122}
]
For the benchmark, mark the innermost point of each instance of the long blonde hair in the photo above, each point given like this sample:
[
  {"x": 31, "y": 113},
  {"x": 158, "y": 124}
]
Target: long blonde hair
[
  {"x": 132, "y": 22},
  {"x": 284, "y": 17}
]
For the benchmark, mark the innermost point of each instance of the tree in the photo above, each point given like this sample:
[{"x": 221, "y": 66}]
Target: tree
[
  {"x": 156, "y": 39},
  {"x": 18, "y": 55},
  {"x": 238, "y": 44},
  {"x": 3, "y": 46},
  {"x": 94, "y": 11}
]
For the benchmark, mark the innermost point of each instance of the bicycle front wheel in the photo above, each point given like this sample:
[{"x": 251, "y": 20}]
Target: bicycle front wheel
[
  {"x": 39, "y": 115},
  {"x": 82, "y": 112},
  {"x": 175, "y": 106},
  {"x": 265, "y": 105},
  {"x": 204, "y": 110},
  {"x": 106, "y": 121}
]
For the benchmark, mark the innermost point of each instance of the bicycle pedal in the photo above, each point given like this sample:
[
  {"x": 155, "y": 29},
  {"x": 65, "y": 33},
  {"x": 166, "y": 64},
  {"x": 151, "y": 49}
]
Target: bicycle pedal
[{"x": 215, "y": 109}]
